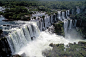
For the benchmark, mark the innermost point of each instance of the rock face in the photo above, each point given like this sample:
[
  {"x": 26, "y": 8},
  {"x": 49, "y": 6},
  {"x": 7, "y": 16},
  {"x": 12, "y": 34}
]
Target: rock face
[
  {"x": 81, "y": 23},
  {"x": 1, "y": 31},
  {"x": 4, "y": 48},
  {"x": 16, "y": 55}
]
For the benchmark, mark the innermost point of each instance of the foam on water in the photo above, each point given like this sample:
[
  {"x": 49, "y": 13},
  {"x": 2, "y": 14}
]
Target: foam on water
[{"x": 35, "y": 48}]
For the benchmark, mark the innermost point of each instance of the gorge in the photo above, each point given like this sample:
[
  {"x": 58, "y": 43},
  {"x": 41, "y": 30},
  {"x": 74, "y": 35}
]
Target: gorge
[{"x": 32, "y": 37}]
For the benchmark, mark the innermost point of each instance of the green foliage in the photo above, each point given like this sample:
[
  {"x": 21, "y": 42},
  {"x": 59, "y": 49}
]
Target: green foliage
[
  {"x": 81, "y": 16},
  {"x": 16, "y": 12},
  {"x": 43, "y": 16},
  {"x": 59, "y": 28},
  {"x": 1, "y": 13},
  {"x": 73, "y": 50},
  {"x": 42, "y": 5},
  {"x": 17, "y": 7}
]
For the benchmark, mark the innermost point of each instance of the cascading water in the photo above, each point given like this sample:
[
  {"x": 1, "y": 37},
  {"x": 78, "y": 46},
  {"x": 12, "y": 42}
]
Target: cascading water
[
  {"x": 35, "y": 47},
  {"x": 78, "y": 10},
  {"x": 65, "y": 27},
  {"x": 59, "y": 15},
  {"x": 63, "y": 15},
  {"x": 70, "y": 25},
  {"x": 20, "y": 39},
  {"x": 51, "y": 19},
  {"x": 47, "y": 23},
  {"x": 68, "y": 12},
  {"x": 75, "y": 23},
  {"x": 69, "y": 28},
  {"x": 55, "y": 17},
  {"x": 72, "y": 11}
]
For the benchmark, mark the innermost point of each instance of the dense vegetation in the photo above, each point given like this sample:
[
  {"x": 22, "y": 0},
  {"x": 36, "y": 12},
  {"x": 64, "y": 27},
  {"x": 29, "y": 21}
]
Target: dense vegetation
[
  {"x": 59, "y": 30},
  {"x": 71, "y": 50},
  {"x": 81, "y": 16},
  {"x": 16, "y": 13},
  {"x": 45, "y": 4},
  {"x": 48, "y": 6},
  {"x": 43, "y": 0}
]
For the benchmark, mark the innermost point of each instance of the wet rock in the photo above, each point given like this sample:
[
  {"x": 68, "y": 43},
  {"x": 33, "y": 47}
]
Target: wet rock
[
  {"x": 1, "y": 31},
  {"x": 5, "y": 50},
  {"x": 82, "y": 43},
  {"x": 31, "y": 38},
  {"x": 16, "y": 55},
  {"x": 51, "y": 44}
]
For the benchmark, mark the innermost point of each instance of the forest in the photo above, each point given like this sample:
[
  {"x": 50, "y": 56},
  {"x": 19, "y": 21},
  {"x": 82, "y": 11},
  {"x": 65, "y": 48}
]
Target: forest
[{"x": 18, "y": 8}]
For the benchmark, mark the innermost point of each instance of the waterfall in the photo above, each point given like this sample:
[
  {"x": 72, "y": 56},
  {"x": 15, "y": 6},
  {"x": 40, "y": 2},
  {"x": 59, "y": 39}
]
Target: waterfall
[
  {"x": 65, "y": 27},
  {"x": 78, "y": 10},
  {"x": 75, "y": 23},
  {"x": 55, "y": 18},
  {"x": 70, "y": 26},
  {"x": 41, "y": 25},
  {"x": 36, "y": 47},
  {"x": 51, "y": 19},
  {"x": 21, "y": 36},
  {"x": 63, "y": 15},
  {"x": 31, "y": 40},
  {"x": 20, "y": 40},
  {"x": 72, "y": 11},
  {"x": 68, "y": 12},
  {"x": 27, "y": 33},
  {"x": 47, "y": 21},
  {"x": 59, "y": 15}
]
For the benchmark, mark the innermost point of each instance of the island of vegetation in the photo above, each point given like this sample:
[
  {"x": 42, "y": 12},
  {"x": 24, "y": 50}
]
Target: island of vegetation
[{"x": 71, "y": 50}]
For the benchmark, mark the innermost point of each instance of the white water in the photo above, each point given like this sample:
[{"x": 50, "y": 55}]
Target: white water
[
  {"x": 75, "y": 23},
  {"x": 63, "y": 15},
  {"x": 70, "y": 26},
  {"x": 65, "y": 27},
  {"x": 51, "y": 18},
  {"x": 42, "y": 42},
  {"x": 35, "y": 48},
  {"x": 68, "y": 12},
  {"x": 20, "y": 39},
  {"x": 59, "y": 15},
  {"x": 22, "y": 36}
]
